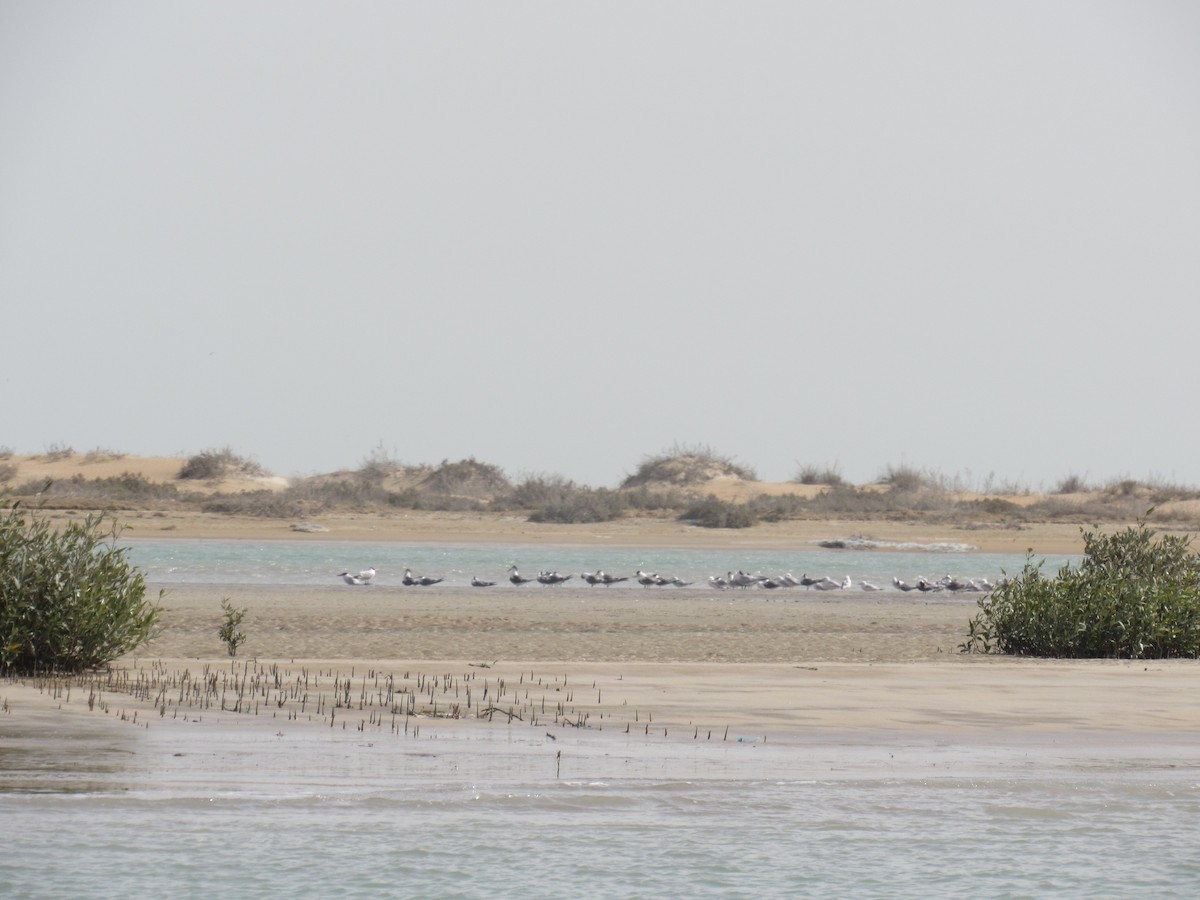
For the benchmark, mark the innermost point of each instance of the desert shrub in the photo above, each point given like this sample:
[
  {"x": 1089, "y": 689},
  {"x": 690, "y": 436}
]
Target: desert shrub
[
  {"x": 990, "y": 484},
  {"x": 8, "y": 471},
  {"x": 100, "y": 454},
  {"x": 647, "y": 499},
  {"x": 1123, "y": 487},
  {"x": 406, "y": 498},
  {"x": 1071, "y": 484},
  {"x": 909, "y": 479},
  {"x": 6, "y": 452},
  {"x": 992, "y": 506},
  {"x": 354, "y": 490},
  {"x": 848, "y": 500},
  {"x": 468, "y": 474},
  {"x": 213, "y": 465},
  {"x": 712, "y": 512},
  {"x": 466, "y": 484},
  {"x": 553, "y": 498},
  {"x": 1164, "y": 491},
  {"x": 31, "y": 487},
  {"x": 57, "y": 452},
  {"x": 379, "y": 464},
  {"x": 583, "y": 504},
  {"x": 126, "y": 487},
  {"x": 1132, "y": 597},
  {"x": 1093, "y": 507},
  {"x": 69, "y": 599},
  {"x": 262, "y": 504},
  {"x": 812, "y": 474},
  {"x": 685, "y": 464},
  {"x": 1121, "y": 500},
  {"x": 537, "y": 491},
  {"x": 778, "y": 508},
  {"x": 1152, "y": 491}
]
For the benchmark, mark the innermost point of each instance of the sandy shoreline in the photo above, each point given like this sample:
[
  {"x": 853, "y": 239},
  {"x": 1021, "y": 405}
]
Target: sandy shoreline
[
  {"x": 803, "y": 661},
  {"x": 806, "y": 664},
  {"x": 663, "y": 533}
]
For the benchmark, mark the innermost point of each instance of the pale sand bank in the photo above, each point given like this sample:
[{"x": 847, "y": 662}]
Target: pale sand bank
[
  {"x": 802, "y": 665},
  {"x": 793, "y": 663},
  {"x": 1044, "y": 539}
]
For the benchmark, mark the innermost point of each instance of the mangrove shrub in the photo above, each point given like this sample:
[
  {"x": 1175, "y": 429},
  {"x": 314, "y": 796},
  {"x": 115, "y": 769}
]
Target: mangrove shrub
[
  {"x": 1135, "y": 595},
  {"x": 70, "y": 600}
]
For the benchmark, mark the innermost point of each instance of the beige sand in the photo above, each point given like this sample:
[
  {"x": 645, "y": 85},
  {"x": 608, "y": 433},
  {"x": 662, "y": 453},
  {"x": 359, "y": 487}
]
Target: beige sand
[
  {"x": 804, "y": 661},
  {"x": 1045, "y": 539},
  {"x": 682, "y": 664}
]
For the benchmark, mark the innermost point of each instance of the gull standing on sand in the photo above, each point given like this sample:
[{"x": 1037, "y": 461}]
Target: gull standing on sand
[
  {"x": 351, "y": 579},
  {"x": 744, "y": 579}
]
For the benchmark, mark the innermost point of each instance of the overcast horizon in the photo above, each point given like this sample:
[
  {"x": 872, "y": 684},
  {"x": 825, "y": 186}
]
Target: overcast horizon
[{"x": 962, "y": 237}]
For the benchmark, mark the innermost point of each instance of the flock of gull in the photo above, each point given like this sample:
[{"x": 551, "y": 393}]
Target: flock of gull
[{"x": 738, "y": 579}]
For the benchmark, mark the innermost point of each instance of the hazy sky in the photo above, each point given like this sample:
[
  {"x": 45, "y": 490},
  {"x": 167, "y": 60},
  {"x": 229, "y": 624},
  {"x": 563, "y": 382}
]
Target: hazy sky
[{"x": 562, "y": 236}]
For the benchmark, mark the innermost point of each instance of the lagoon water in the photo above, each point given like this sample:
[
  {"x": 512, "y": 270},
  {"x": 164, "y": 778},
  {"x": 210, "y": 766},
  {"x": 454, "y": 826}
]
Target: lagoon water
[
  {"x": 98, "y": 809},
  {"x": 168, "y": 562}
]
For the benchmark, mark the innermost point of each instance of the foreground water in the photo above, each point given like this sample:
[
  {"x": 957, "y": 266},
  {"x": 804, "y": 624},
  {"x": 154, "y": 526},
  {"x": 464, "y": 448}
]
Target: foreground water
[
  {"x": 498, "y": 812},
  {"x": 95, "y": 808}
]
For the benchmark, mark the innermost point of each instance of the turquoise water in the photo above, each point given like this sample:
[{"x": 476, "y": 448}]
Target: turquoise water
[{"x": 319, "y": 562}]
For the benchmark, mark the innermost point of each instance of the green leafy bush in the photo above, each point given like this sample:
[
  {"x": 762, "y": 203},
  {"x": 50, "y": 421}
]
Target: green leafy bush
[
  {"x": 1132, "y": 597},
  {"x": 228, "y": 632},
  {"x": 69, "y": 599}
]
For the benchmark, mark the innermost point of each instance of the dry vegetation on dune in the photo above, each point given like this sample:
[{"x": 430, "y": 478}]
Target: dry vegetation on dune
[
  {"x": 685, "y": 465},
  {"x": 691, "y": 483}
]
